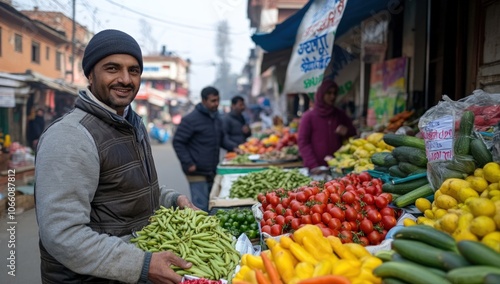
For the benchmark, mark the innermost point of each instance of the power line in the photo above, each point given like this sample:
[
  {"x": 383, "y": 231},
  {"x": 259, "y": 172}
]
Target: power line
[{"x": 166, "y": 22}]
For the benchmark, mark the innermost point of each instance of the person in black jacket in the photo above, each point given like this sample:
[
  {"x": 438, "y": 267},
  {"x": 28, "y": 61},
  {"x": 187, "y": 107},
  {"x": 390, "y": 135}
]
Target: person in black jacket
[
  {"x": 197, "y": 143},
  {"x": 234, "y": 124},
  {"x": 35, "y": 128}
]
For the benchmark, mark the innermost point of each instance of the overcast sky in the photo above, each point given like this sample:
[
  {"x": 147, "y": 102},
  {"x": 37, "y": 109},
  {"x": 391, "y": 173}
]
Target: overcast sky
[{"x": 186, "y": 27}]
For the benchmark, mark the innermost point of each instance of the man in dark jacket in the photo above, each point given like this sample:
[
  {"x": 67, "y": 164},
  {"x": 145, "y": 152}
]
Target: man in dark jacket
[
  {"x": 197, "y": 143},
  {"x": 234, "y": 124},
  {"x": 35, "y": 128}
]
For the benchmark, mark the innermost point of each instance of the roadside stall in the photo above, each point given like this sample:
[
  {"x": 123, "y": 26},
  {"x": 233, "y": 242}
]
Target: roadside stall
[{"x": 265, "y": 151}]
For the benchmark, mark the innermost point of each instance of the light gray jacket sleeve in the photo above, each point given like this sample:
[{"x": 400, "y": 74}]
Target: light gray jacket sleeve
[
  {"x": 67, "y": 174},
  {"x": 168, "y": 197}
]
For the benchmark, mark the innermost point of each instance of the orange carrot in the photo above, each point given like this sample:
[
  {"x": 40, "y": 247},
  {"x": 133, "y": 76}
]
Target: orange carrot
[
  {"x": 328, "y": 279},
  {"x": 261, "y": 278},
  {"x": 271, "y": 270}
]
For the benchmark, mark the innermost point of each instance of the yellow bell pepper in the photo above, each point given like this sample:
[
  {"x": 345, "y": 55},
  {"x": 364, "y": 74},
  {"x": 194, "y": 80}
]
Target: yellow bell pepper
[
  {"x": 314, "y": 233},
  {"x": 270, "y": 242},
  {"x": 358, "y": 250},
  {"x": 304, "y": 270},
  {"x": 370, "y": 262},
  {"x": 348, "y": 268},
  {"x": 254, "y": 262},
  {"x": 323, "y": 268},
  {"x": 339, "y": 249},
  {"x": 302, "y": 255},
  {"x": 367, "y": 275},
  {"x": 312, "y": 247},
  {"x": 285, "y": 242},
  {"x": 284, "y": 261}
]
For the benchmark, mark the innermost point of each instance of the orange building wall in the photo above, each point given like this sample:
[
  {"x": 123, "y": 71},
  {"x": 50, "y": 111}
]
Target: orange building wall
[
  {"x": 59, "y": 21},
  {"x": 16, "y": 62}
]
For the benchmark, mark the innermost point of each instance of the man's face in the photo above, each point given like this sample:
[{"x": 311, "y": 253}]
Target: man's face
[
  {"x": 211, "y": 103},
  {"x": 115, "y": 81},
  {"x": 239, "y": 107}
]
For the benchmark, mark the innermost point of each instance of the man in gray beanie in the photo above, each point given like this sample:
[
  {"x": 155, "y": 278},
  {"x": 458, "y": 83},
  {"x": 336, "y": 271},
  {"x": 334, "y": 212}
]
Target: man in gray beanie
[{"x": 96, "y": 181}]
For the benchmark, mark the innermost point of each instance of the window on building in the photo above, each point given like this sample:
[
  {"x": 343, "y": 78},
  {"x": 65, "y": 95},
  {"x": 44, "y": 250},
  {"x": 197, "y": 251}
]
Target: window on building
[
  {"x": 35, "y": 52},
  {"x": 18, "y": 43},
  {"x": 47, "y": 53},
  {"x": 58, "y": 60}
]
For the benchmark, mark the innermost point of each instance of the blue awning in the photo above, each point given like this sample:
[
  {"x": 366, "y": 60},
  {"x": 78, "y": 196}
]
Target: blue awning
[{"x": 283, "y": 36}]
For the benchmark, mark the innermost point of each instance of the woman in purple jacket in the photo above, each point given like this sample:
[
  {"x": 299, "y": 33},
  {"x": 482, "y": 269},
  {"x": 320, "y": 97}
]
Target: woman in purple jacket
[{"x": 323, "y": 128}]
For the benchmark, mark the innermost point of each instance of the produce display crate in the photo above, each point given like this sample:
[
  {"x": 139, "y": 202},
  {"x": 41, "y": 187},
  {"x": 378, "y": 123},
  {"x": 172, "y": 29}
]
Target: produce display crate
[
  {"x": 215, "y": 201},
  {"x": 213, "y": 211}
]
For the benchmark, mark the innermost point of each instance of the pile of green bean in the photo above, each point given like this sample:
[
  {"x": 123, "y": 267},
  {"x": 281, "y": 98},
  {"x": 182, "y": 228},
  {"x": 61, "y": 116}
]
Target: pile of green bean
[
  {"x": 250, "y": 185},
  {"x": 194, "y": 236}
]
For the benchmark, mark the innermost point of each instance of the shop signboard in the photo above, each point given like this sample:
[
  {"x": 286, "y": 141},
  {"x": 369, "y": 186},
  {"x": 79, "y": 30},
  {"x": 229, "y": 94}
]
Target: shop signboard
[
  {"x": 7, "y": 97},
  {"x": 313, "y": 47},
  {"x": 387, "y": 90}
]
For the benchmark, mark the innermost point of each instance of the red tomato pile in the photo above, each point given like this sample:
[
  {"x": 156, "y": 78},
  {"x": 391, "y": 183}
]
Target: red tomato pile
[{"x": 352, "y": 207}]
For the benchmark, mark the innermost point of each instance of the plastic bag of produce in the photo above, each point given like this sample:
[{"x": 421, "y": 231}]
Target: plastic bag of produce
[{"x": 449, "y": 128}]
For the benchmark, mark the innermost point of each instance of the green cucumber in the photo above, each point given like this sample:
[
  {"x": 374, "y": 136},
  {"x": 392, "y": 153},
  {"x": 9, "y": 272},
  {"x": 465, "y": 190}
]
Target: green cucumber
[
  {"x": 390, "y": 280},
  {"x": 462, "y": 142},
  {"x": 410, "y": 197},
  {"x": 478, "y": 253},
  {"x": 428, "y": 255},
  {"x": 410, "y": 168},
  {"x": 462, "y": 145},
  {"x": 462, "y": 163},
  {"x": 384, "y": 255},
  {"x": 472, "y": 274},
  {"x": 492, "y": 278},
  {"x": 396, "y": 172},
  {"x": 405, "y": 187},
  {"x": 411, "y": 155},
  {"x": 381, "y": 169},
  {"x": 399, "y": 258},
  {"x": 408, "y": 272},
  {"x": 378, "y": 159},
  {"x": 481, "y": 154},
  {"x": 428, "y": 235},
  {"x": 404, "y": 140}
]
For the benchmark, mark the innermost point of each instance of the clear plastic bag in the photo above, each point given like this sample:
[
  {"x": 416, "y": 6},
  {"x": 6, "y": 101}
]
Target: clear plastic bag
[{"x": 440, "y": 124}]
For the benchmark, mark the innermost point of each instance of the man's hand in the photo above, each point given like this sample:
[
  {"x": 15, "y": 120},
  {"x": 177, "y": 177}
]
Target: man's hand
[
  {"x": 238, "y": 151},
  {"x": 159, "y": 268},
  {"x": 341, "y": 130},
  {"x": 184, "y": 202},
  {"x": 192, "y": 169}
]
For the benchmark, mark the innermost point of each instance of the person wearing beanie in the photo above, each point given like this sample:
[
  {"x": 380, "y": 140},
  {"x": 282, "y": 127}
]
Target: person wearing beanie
[{"x": 95, "y": 178}]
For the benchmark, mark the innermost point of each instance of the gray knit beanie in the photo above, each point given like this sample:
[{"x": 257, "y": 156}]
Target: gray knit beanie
[{"x": 106, "y": 43}]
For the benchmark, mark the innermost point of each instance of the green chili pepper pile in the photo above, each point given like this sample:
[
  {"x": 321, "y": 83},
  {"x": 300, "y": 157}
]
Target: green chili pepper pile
[
  {"x": 194, "y": 236},
  {"x": 249, "y": 186}
]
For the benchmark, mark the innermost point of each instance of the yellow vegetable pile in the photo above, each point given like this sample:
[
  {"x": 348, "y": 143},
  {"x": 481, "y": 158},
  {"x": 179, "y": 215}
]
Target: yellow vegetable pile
[
  {"x": 306, "y": 256},
  {"x": 357, "y": 152},
  {"x": 467, "y": 209}
]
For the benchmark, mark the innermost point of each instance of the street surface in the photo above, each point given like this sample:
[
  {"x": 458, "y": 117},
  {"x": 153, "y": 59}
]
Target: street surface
[{"x": 27, "y": 256}]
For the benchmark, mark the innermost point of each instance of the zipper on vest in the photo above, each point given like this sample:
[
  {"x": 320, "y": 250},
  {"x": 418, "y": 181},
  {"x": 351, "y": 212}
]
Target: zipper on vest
[{"x": 141, "y": 149}]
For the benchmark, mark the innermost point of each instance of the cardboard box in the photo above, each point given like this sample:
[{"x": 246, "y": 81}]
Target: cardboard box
[{"x": 216, "y": 201}]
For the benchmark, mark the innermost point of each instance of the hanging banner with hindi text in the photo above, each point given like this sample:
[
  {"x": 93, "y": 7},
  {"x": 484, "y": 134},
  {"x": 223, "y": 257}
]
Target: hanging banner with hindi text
[{"x": 313, "y": 47}]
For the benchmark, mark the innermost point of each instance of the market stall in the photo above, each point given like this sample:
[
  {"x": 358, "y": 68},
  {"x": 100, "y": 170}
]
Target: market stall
[
  {"x": 406, "y": 208},
  {"x": 274, "y": 150}
]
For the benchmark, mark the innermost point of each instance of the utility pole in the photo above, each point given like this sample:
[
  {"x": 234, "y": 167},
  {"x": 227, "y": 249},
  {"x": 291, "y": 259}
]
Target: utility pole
[{"x": 73, "y": 44}]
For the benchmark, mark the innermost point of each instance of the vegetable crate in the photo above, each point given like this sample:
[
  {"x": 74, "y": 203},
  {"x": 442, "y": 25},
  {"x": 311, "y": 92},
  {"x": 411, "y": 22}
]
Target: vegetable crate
[{"x": 226, "y": 202}]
